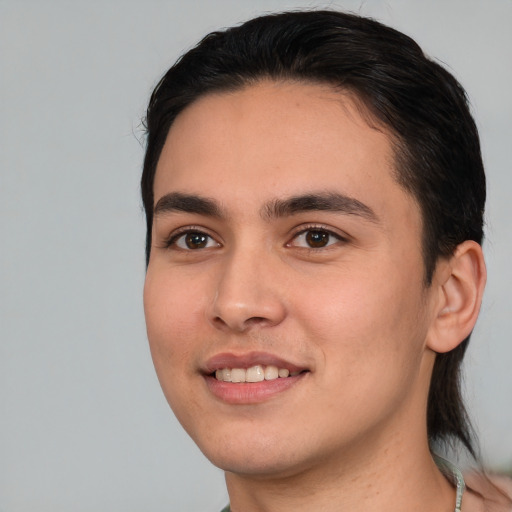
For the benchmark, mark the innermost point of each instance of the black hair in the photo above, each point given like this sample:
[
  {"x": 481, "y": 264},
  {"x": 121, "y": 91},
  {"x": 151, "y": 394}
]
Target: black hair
[{"x": 420, "y": 104}]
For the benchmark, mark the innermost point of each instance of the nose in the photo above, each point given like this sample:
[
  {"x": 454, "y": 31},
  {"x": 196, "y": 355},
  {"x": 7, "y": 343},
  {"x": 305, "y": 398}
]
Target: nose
[{"x": 248, "y": 293}]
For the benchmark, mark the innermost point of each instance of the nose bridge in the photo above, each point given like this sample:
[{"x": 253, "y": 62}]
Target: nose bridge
[{"x": 247, "y": 293}]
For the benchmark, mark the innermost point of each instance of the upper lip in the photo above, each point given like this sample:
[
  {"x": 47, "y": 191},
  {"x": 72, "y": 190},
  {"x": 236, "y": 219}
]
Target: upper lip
[{"x": 246, "y": 360}]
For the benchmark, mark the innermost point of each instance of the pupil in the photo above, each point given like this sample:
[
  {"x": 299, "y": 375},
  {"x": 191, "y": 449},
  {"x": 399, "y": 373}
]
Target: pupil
[
  {"x": 196, "y": 240},
  {"x": 317, "y": 238}
]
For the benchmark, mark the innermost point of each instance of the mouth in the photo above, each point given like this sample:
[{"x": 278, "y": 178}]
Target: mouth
[
  {"x": 250, "y": 378},
  {"x": 256, "y": 373}
]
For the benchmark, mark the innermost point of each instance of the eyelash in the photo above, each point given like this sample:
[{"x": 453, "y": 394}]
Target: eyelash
[
  {"x": 320, "y": 229},
  {"x": 193, "y": 230},
  {"x": 189, "y": 230}
]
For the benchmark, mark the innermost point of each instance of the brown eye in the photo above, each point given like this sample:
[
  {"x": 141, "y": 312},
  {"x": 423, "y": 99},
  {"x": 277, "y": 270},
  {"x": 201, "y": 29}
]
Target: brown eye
[
  {"x": 194, "y": 240},
  {"x": 317, "y": 239}
]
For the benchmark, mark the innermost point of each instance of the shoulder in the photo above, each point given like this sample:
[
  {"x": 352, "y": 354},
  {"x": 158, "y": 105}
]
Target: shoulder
[{"x": 487, "y": 493}]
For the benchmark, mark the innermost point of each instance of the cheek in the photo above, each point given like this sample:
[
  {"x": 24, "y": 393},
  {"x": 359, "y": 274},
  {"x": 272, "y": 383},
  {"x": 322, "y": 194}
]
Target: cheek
[
  {"x": 363, "y": 320},
  {"x": 172, "y": 310}
]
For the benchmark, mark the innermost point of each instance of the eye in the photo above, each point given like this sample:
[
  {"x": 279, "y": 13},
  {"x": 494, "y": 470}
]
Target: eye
[
  {"x": 193, "y": 240},
  {"x": 315, "y": 238}
]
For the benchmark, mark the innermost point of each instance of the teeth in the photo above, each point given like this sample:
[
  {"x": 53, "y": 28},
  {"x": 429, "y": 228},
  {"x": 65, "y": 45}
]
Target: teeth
[
  {"x": 271, "y": 373},
  {"x": 238, "y": 375},
  {"x": 255, "y": 373}
]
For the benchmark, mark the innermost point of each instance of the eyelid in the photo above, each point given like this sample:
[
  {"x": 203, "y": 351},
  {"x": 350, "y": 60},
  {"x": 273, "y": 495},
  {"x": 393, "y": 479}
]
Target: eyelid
[
  {"x": 304, "y": 228},
  {"x": 179, "y": 232}
]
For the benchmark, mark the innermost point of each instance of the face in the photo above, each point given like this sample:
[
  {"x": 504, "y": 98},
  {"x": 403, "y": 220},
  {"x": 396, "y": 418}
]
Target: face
[{"x": 284, "y": 298}]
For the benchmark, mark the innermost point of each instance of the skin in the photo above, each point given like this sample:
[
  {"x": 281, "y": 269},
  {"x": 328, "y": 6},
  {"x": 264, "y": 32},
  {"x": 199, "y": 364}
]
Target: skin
[{"x": 350, "y": 433}]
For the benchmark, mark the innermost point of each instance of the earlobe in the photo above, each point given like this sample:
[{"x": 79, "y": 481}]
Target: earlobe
[{"x": 460, "y": 284}]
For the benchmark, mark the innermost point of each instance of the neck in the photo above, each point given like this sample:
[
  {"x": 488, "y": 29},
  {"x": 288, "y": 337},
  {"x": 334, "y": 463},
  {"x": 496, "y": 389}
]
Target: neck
[{"x": 398, "y": 477}]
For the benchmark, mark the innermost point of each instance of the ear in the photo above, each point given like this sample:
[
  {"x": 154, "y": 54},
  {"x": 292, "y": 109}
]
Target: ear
[{"x": 459, "y": 285}]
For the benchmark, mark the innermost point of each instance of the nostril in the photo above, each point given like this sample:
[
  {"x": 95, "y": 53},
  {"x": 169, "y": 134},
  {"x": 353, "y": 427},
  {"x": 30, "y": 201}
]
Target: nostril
[
  {"x": 241, "y": 324},
  {"x": 256, "y": 320},
  {"x": 230, "y": 311}
]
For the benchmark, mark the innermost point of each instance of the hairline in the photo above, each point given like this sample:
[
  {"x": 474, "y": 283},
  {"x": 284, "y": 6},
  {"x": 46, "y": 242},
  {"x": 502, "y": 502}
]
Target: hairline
[{"x": 357, "y": 98}]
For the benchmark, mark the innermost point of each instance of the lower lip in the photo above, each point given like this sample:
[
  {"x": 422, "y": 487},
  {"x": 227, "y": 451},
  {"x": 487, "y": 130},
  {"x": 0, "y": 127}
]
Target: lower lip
[{"x": 250, "y": 392}]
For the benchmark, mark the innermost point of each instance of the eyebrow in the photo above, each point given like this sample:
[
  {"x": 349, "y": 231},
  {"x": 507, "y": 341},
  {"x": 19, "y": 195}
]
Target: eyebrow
[
  {"x": 188, "y": 203},
  {"x": 323, "y": 201},
  {"x": 276, "y": 208}
]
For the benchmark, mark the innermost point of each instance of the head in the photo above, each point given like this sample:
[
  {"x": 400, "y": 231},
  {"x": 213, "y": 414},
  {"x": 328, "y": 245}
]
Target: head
[{"x": 397, "y": 90}]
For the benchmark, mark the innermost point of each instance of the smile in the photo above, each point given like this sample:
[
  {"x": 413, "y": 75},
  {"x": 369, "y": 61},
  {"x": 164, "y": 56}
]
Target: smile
[
  {"x": 251, "y": 378},
  {"x": 256, "y": 373}
]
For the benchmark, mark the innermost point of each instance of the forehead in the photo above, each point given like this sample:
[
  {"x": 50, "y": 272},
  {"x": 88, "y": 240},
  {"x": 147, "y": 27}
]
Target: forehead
[{"x": 279, "y": 139}]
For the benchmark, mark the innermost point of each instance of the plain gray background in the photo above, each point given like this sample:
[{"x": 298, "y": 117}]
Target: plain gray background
[{"x": 83, "y": 423}]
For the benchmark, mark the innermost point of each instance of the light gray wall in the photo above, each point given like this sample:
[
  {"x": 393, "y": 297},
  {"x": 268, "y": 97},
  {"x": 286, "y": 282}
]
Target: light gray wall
[{"x": 83, "y": 423}]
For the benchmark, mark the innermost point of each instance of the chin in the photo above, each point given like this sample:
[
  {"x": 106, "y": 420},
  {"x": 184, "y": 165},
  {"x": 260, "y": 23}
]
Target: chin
[
  {"x": 255, "y": 465},
  {"x": 250, "y": 454}
]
